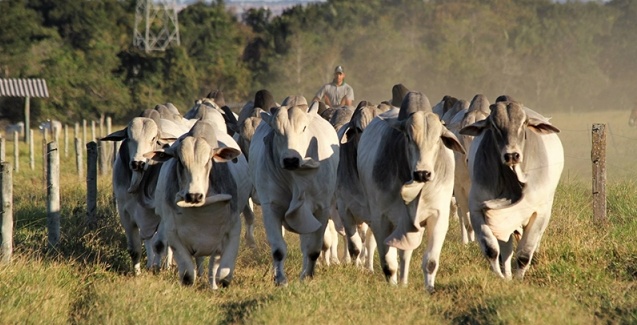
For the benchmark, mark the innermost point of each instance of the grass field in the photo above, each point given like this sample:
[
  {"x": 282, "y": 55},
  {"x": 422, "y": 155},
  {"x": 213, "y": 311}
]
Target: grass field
[{"x": 584, "y": 273}]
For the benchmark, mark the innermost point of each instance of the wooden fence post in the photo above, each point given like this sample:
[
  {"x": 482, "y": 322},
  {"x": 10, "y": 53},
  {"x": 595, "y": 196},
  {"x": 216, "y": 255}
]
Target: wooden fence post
[
  {"x": 53, "y": 194},
  {"x": 78, "y": 157},
  {"x": 91, "y": 184},
  {"x": 3, "y": 150},
  {"x": 598, "y": 157},
  {"x": 6, "y": 210},
  {"x": 16, "y": 151}
]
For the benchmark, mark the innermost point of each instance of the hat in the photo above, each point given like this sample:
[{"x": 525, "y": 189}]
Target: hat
[{"x": 339, "y": 69}]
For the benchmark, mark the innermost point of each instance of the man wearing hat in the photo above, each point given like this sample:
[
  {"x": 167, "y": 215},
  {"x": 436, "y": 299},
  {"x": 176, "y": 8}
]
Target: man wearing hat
[{"x": 336, "y": 93}]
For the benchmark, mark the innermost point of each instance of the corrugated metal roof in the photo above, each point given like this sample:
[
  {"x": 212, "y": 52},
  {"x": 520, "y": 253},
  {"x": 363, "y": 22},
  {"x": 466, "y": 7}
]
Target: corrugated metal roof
[{"x": 23, "y": 88}]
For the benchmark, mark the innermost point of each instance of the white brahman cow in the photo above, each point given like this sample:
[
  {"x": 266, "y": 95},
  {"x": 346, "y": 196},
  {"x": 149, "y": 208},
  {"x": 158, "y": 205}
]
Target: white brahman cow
[
  {"x": 406, "y": 166},
  {"x": 208, "y": 109},
  {"x": 134, "y": 180},
  {"x": 293, "y": 162},
  {"x": 515, "y": 163},
  {"x": 200, "y": 194}
]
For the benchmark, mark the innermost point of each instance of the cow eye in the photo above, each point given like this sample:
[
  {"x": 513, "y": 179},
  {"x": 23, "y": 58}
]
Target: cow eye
[{"x": 305, "y": 127}]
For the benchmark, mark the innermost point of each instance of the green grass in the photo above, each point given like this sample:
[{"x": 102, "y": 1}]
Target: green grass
[{"x": 584, "y": 273}]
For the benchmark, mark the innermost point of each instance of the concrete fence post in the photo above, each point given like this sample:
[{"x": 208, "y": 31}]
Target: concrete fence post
[
  {"x": 16, "y": 151},
  {"x": 79, "y": 157},
  {"x": 53, "y": 194},
  {"x": 6, "y": 210}
]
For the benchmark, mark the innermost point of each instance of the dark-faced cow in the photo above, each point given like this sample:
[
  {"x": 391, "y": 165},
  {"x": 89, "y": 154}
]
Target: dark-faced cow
[
  {"x": 199, "y": 196},
  {"x": 406, "y": 166},
  {"x": 350, "y": 195},
  {"x": 293, "y": 162},
  {"x": 515, "y": 163},
  {"x": 478, "y": 110}
]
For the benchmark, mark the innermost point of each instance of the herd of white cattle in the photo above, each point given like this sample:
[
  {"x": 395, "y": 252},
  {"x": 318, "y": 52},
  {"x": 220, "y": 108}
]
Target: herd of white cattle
[{"x": 389, "y": 171}]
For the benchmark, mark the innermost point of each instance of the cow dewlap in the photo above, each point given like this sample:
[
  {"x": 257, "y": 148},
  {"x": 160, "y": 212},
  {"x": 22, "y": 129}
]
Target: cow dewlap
[
  {"x": 410, "y": 190},
  {"x": 504, "y": 221},
  {"x": 299, "y": 217}
]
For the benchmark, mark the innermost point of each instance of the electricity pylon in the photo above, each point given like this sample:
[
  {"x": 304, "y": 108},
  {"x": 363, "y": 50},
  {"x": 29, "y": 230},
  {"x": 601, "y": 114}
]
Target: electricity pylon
[{"x": 156, "y": 25}]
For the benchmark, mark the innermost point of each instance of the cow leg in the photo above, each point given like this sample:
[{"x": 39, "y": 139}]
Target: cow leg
[
  {"x": 338, "y": 229},
  {"x": 213, "y": 267},
  {"x": 200, "y": 266},
  {"x": 370, "y": 248},
  {"x": 133, "y": 240},
  {"x": 466, "y": 230},
  {"x": 352, "y": 237},
  {"x": 437, "y": 227},
  {"x": 150, "y": 252},
  {"x": 382, "y": 228},
  {"x": 487, "y": 241},
  {"x": 506, "y": 253},
  {"x": 185, "y": 265},
  {"x": 330, "y": 244},
  {"x": 163, "y": 255},
  {"x": 229, "y": 255},
  {"x": 326, "y": 251},
  {"x": 248, "y": 216},
  {"x": 272, "y": 221},
  {"x": 159, "y": 248},
  {"x": 531, "y": 237},
  {"x": 311, "y": 245},
  {"x": 405, "y": 258}
]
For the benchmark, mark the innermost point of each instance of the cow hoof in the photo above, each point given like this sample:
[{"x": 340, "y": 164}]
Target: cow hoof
[
  {"x": 430, "y": 289},
  {"x": 155, "y": 269},
  {"x": 281, "y": 282}
]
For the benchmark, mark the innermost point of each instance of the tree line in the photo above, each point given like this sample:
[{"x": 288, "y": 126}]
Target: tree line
[{"x": 552, "y": 56}]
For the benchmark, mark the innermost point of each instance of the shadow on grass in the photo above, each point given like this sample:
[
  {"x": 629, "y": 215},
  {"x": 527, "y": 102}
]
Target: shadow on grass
[{"x": 238, "y": 312}]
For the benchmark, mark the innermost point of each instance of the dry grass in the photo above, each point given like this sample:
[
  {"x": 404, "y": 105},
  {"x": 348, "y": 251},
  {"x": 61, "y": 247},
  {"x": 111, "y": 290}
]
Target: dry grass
[{"x": 584, "y": 273}]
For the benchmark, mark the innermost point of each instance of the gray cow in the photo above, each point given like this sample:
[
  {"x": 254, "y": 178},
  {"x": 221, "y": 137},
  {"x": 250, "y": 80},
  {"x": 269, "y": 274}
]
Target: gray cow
[
  {"x": 515, "y": 163},
  {"x": 406, "y": 166}
]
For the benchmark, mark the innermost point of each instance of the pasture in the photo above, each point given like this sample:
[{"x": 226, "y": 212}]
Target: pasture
[{"x": 584, "y": 272}]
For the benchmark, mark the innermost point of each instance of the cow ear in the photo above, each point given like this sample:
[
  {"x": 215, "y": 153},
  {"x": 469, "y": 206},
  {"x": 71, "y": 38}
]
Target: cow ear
[
  {"x": 158, "y": 155},
  {"x": 474, "y": 129},
  {"x": 225, "y": 154},
  {"x": 396, "y": 124},
  {"x": 345, "y": 137},
  {"x": 451, "y": 141},
  {"x": 267, "y": 117},
  {"x": 316, "y": 107},
  {"x": 116, "y": 136},
  {"x": 542, "y": 127}
]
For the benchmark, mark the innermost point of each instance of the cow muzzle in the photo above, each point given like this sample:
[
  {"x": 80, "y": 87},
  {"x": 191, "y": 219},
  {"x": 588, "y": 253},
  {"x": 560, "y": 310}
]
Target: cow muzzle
[
  {"x": 291, "y": 163},
  {"x": 512, "y": 158},
  {"x": 137, "y": 165},
  {"x": 422, "y": 176}
]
